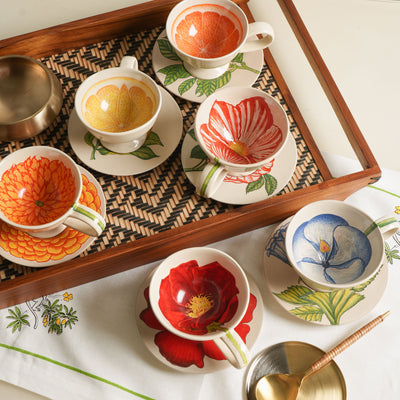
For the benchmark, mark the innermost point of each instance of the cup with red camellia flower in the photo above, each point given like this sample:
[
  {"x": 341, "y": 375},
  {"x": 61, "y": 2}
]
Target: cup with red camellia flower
[
  {"x": 208, "y": 35},
  {"x": 202, "y": 294},
  {"x": 119, "y": 106},
  {"x": 40, "y": 187},
  {"x": 240, "y": 129}
]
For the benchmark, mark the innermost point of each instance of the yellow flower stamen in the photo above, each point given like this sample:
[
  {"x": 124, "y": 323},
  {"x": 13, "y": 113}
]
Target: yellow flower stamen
[
  {"x": 324, "y": 247},
  {"x": 198, "y": 305},
  {"x": 240, "y": 148}
]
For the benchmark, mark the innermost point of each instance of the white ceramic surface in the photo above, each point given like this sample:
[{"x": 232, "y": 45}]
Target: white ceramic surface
[
  {"x": 334, "y": 245},
  {"x": 205, "y": 278},
  {"x": 260, "y": 185},
  {"x": 206, "y": 67},
  {"x": 66, "y": 191},
  {"x": 124, "y": 141},
  {"x": 240, "y": 129},
  {"x": 210, "y": 365},
  {"x": 42, "y": 247},
  {"x": 168, "y": 130},
  {"x": 320, "y": 308},
  {"x": 243, "y": 70}
]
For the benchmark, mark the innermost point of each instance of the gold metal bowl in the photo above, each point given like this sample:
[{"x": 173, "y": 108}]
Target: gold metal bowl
[
  {"x": 293, "y": 358},
  {"x": 30, "y": 97}
]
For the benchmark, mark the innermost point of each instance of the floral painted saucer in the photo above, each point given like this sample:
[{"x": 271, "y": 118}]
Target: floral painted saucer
[
  {"x": 159, "y": 145},
  {"x": 323, "y": 308},
  {"x": 243, "y": 71},
  {"x": 260, "y": 185},
  {"x": 23, "y": 249},
  {"x": 187, "y": 355}
]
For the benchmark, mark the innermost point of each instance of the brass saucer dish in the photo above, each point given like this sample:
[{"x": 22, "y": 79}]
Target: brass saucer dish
[
  {"x": 30, "y": 97},
  {"x": 296, "y": 357}
]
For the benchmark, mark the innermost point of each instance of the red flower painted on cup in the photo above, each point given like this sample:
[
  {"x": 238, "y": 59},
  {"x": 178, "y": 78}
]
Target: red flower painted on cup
[
  {"x": 184, "y": 352},
  {"x": 196, "y": 300},
  {"x": 242, "y": 134},
  {"x": 253, "y": 177}
]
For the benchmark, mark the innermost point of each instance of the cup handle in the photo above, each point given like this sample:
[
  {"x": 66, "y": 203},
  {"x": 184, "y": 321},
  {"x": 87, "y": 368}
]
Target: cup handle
[
  {"x": 211, "y": 178},
  {"x": 129, "y": 62},
  {"x": 85, "y": 220},
  {"x": 258, "y": 28},
  {"x": 233, "y": 348},
  {"x": 388, "y": 226}
]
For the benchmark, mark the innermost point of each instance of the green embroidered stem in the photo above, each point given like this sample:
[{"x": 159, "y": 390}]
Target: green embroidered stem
[
  {"x": 385, "y": 191},
  {"x": 88, "y": 374}
]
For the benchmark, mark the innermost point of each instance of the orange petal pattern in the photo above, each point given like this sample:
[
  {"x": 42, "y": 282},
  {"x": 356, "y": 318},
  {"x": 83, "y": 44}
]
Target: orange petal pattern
[
  {"x": 21, "y": 245},
  {"x": 208, "y": 33},
  {"x": 36, "y": 191}
]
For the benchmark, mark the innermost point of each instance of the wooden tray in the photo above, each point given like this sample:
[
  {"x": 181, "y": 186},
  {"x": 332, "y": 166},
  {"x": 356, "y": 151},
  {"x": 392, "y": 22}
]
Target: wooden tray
[{"x": 225, "y": 221}]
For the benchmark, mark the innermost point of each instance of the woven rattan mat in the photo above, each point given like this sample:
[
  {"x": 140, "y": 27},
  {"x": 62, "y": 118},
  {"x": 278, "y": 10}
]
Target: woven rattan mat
[{"x": 141, "y": 205}]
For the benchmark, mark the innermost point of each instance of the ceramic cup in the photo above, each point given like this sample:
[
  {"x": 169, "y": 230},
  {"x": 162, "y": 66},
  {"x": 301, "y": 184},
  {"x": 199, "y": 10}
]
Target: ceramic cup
[
  {"x": 202, "y": 294},
  {"x": 119, "y": 106},
  {"x": 334, "y": 245},
  {"x": 207, "y": 35},
  {"x": 240, "y": 129},
  {"x": 40, "y": 188}
]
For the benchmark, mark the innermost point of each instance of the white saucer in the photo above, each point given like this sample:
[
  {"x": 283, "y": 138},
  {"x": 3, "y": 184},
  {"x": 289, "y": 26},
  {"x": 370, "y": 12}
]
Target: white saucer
[
  {"x": 308, "y": 304},
  {"x": 210, "y": 365},
  {"x": 243, "y": 71},
  {"x": 20, "y": 248},
  {"x": 163, "y": 140},
  {"x": 265, "y": 183}
]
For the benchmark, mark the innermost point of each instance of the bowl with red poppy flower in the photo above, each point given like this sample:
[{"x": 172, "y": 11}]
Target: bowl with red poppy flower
[
  {"x": 119, "y": 106},
  {"x": 200, "y": 294},
  {"x": 240, "y": 129}
]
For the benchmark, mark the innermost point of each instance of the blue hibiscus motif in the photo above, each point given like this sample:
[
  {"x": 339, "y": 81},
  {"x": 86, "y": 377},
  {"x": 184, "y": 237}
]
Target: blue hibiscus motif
[{"x": 328, "y": 249}]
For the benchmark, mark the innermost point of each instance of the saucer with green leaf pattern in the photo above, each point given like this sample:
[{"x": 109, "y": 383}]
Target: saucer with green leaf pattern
[
  {"x": 243, "y": 70},
  {"x": 161, "y": 142},
  {"x": 336, "y": 307}
]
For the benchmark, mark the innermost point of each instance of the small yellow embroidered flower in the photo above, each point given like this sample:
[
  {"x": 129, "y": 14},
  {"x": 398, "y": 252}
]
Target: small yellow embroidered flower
[
  {"x": 67, "y": 296},
  {"x": 397, "y": 209},
  {"x": 45, "y": 321},
  {"x": 58, "y": 321}
]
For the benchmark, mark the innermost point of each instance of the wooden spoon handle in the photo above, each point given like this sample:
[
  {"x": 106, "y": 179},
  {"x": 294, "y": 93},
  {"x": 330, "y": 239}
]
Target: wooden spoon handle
[{"x": 327, "y": 357}]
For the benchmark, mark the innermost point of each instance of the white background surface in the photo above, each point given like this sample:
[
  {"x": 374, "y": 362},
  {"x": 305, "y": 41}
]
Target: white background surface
[{"x": 358, "y": 39}]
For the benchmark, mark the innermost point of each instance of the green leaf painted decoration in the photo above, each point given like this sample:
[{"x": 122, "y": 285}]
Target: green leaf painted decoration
[
  {"x": 296, "y": 295},
  {"x": 315, "y": 304},
  {"x": 205, "y": 87},
  {"x": 173, "y": 73},
  {"x": 186, "y": 85},
  {"x": 308, "y": 313},
  {"x": 167, "y": 50},
  {"x": 144, "y": 153},
  {"x": 270, "y": 183},
  {"x": 258, "y": 184}
]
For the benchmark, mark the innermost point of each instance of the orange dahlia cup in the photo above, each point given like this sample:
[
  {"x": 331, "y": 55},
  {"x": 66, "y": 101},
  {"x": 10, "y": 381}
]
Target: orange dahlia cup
[{"x": 40, "y": 187}]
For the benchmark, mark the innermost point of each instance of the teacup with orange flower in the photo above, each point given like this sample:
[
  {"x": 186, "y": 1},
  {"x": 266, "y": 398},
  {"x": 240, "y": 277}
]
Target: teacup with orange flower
[
  {"x": 119, "y": 106},
  {"x": 202, "y": 294},
  {"x": 39, "y": 191},
  {"x": 207, "y": 35},
  {"x": 240, "y": 129}
]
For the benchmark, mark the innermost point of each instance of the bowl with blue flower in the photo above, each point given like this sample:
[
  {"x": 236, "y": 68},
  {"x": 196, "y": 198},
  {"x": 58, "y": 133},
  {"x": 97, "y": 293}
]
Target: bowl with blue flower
[{"x": 333, "y": 245}]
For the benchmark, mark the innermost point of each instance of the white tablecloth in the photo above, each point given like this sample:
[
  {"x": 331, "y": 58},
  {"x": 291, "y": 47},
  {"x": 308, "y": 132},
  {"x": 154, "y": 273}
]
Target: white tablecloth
[{"x": 101, "y": 355}]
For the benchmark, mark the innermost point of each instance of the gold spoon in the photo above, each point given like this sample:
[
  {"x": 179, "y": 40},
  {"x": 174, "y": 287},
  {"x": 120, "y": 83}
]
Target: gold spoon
[{"x": 287, "y": 386}]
